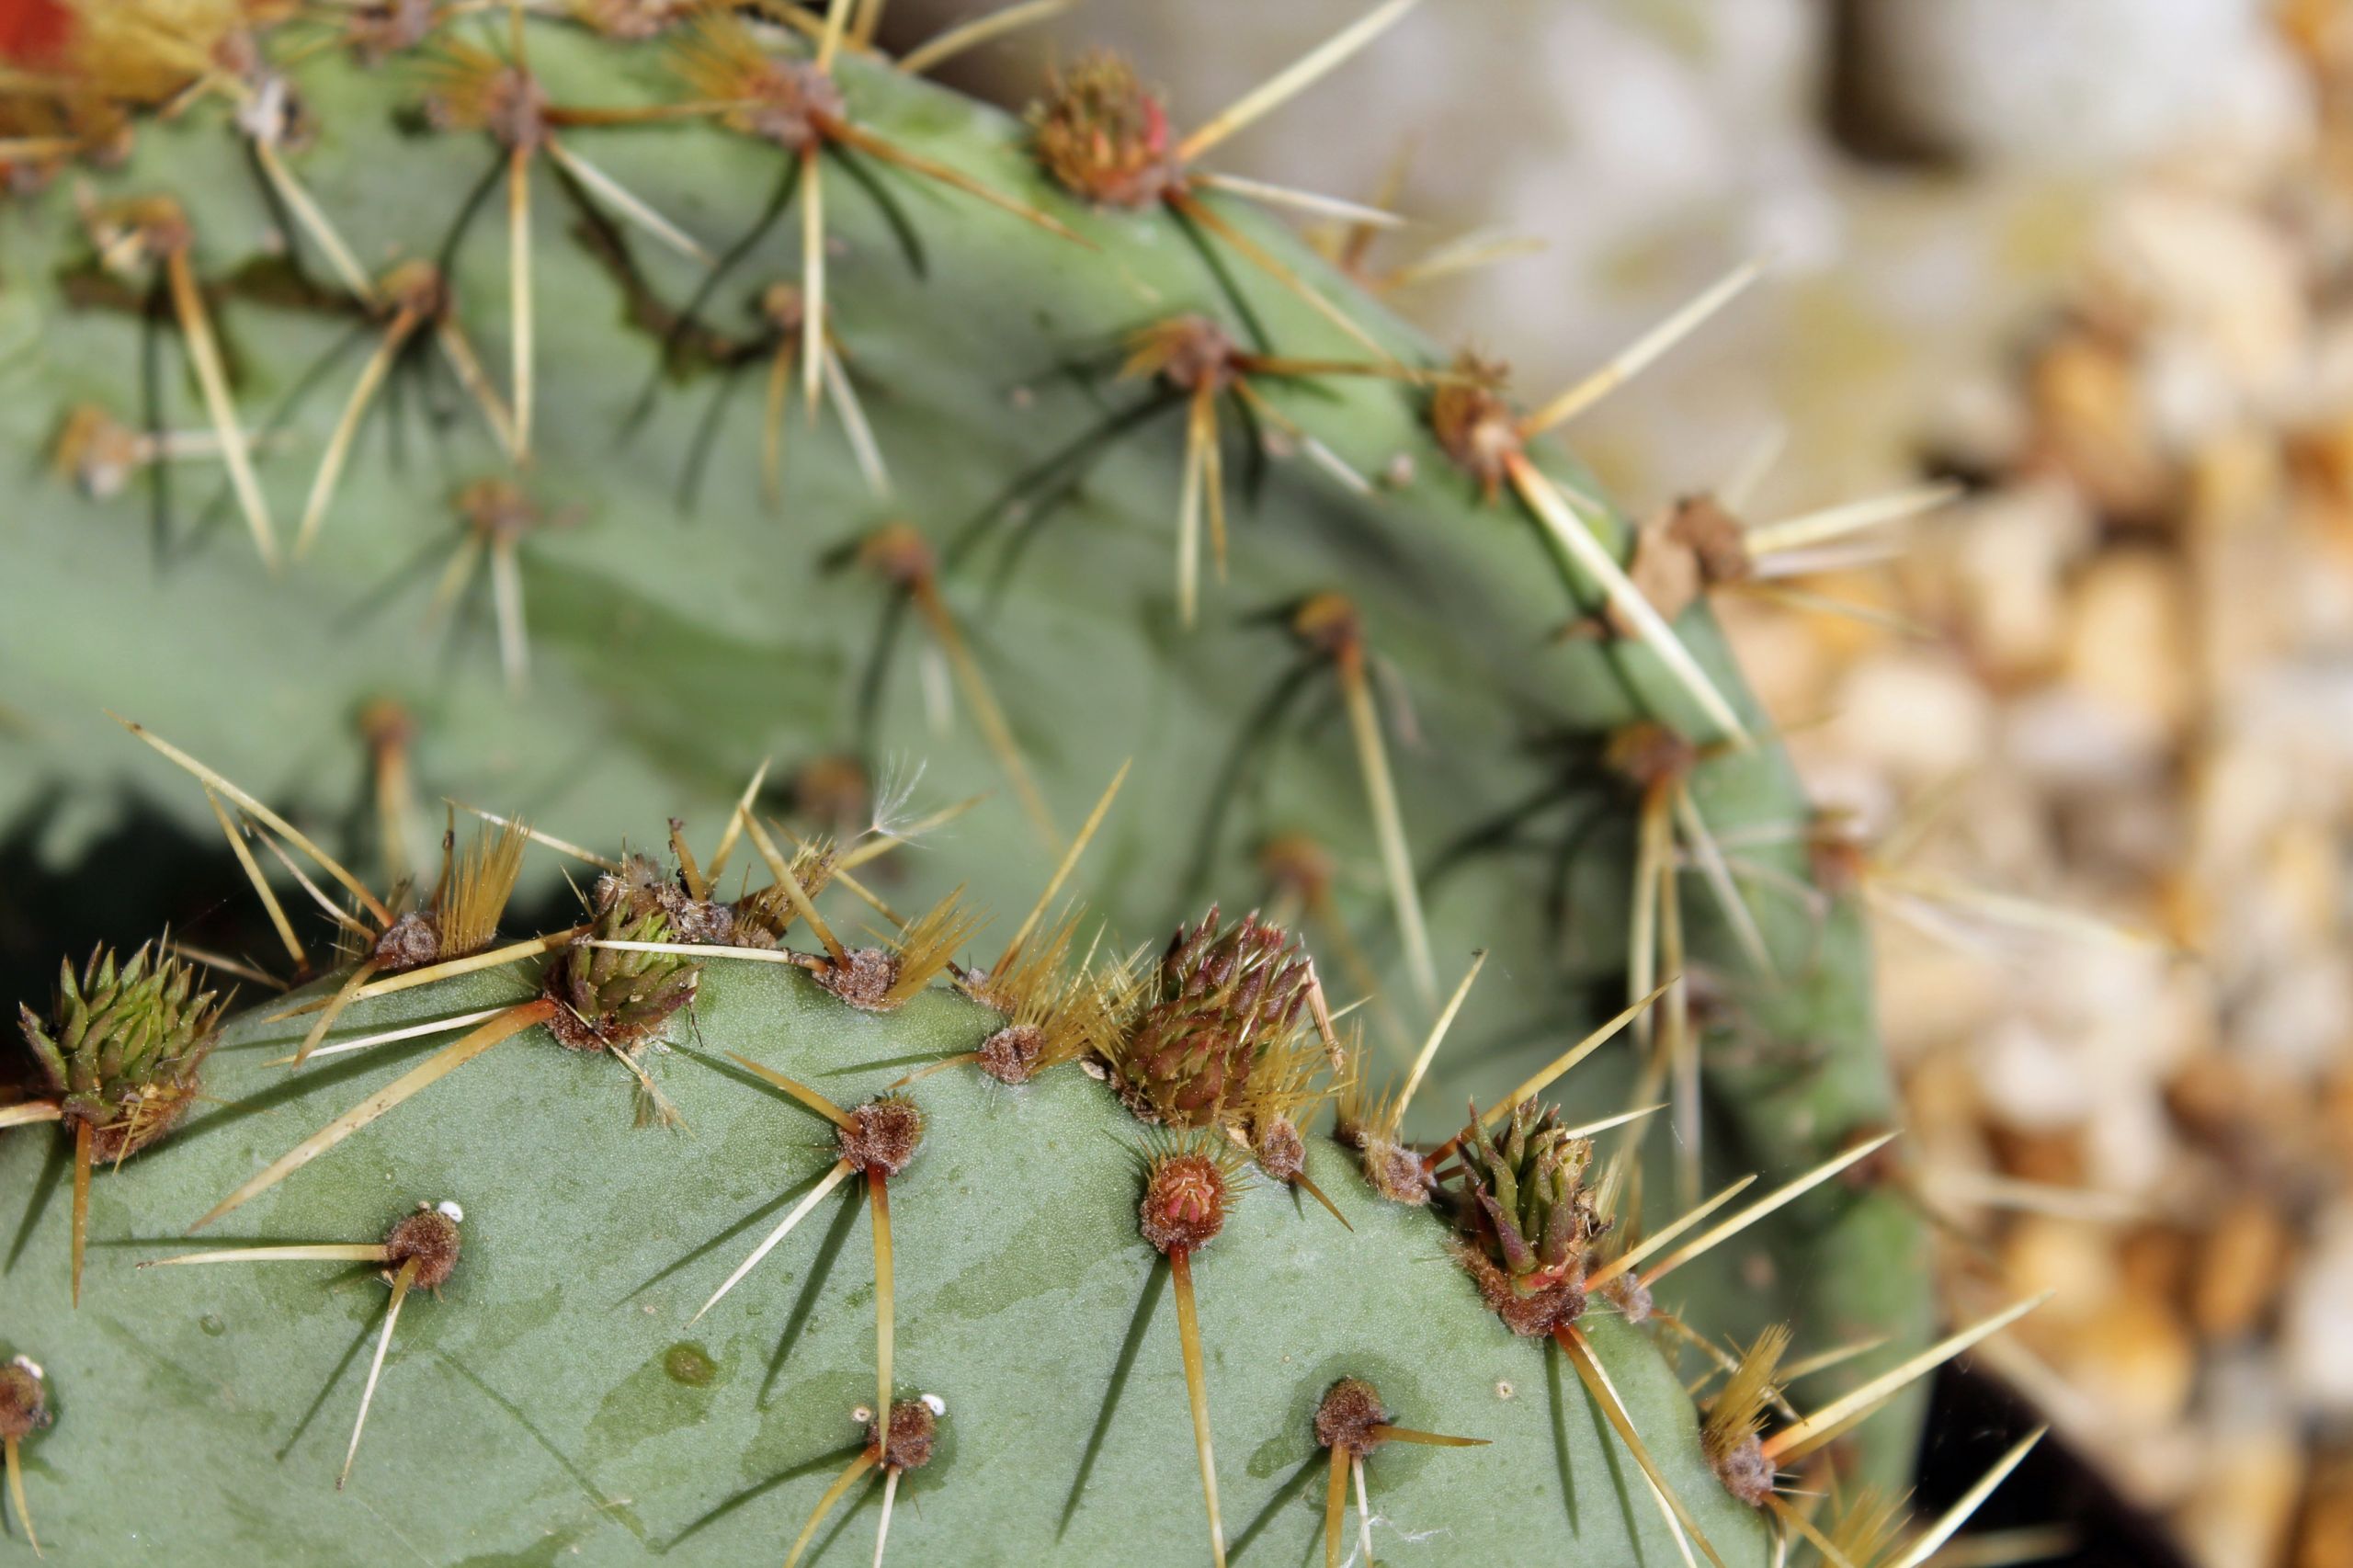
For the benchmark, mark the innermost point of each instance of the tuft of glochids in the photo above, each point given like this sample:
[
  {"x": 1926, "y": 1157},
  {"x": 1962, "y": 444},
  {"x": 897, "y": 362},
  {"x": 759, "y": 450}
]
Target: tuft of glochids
[
  {"x": 792, "y": 103},
  {"x": 1345, "y": 1419},
  {"x": 123, "y": 1045},
  {"x": 1014, "y": 1052},
  {"x": 1681, "y": 551},
  {"x": 634, "y": 20},
  {"x": 430, "y": 1238},
  {"x": 1730, "y": 1433},
  {"x": 24, "y": 1399},
  {"x": 761, "y": 917},
  {"x": 1474, "y": 422},
  {"x": 1649, "y": 756},
  {"x": 881, "y": 1136},
  {"x": 460, "y": 915},
  {"x": 1189, "y": 352},
  {"x": 1369, "y": 1124},
  {"x": 1055, "y": 1009},
  {"x": 864, "y": 977},
  {"x": 913, "y": 1434},
  {"x": 882, "y": 980}
]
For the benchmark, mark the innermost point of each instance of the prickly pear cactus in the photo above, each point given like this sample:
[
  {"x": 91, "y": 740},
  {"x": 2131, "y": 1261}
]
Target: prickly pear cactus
[
  {"x": 426, "y": 390},
  {"x": 1045, "y": 1279}
]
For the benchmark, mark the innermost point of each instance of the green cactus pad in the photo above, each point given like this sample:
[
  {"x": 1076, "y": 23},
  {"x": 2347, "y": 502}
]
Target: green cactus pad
[
  {"x": 677, "y": 640},
  {"x": 557, "y": 1404}
]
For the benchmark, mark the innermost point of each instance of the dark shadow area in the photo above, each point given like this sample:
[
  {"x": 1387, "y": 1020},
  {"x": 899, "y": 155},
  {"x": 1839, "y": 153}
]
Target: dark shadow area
[
  {"x": 1858, "y": 110},
  {"x": 832, "y": 1460},
  {"x": 1973, "y": 1419},
  {"x": 1154, "y": 1285},
  {"x": 812, "y": 1281},
  {"x": 1297, "y": 1482},
  {"x": 145, "y": 876}
]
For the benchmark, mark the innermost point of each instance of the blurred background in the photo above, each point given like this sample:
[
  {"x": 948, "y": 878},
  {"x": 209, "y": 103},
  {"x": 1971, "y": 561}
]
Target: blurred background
[{"x": 2094, "y": 260}]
